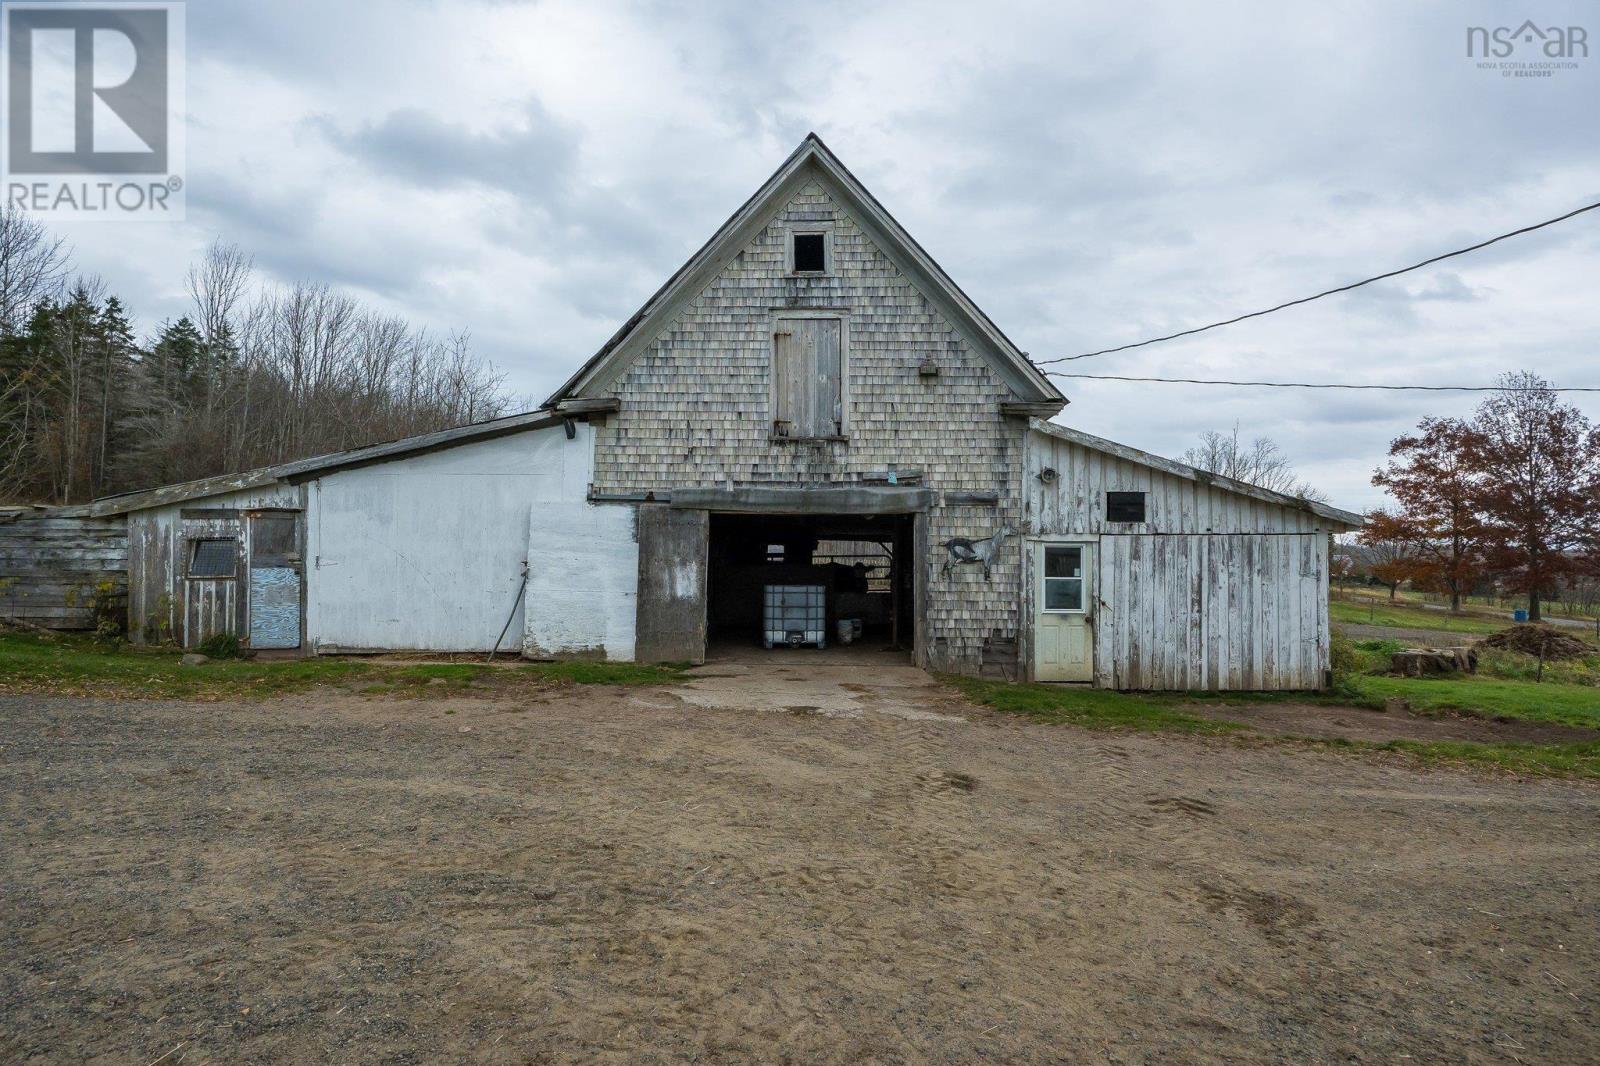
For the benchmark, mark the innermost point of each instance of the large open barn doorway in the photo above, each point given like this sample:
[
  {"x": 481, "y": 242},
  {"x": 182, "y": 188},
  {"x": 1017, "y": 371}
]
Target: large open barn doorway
[{"x": 834, "y": 581}]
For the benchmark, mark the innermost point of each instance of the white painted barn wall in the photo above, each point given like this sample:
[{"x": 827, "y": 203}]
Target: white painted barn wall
[
  {"x": 1215, "y": 590},
  {"x": 583, "y": 588},
  {"x": 425, "y": 552}
]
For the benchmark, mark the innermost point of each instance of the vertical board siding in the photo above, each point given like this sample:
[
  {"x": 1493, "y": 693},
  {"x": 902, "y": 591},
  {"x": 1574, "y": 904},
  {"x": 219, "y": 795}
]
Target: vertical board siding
[
  {"x": 1075, "y": 502},
  {"x": 161, "y": 609},
  {"x": 697, "y": 411},
  {"x": 1214, "y": 590},
  {"x": 1215, "y": 611},
  {"x": 212, "y": 606}
]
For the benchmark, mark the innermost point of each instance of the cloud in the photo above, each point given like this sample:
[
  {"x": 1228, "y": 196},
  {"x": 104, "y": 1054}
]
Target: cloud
[
  {"x": 1092, "y": 176},
  {"x": 533, "y": 159}
]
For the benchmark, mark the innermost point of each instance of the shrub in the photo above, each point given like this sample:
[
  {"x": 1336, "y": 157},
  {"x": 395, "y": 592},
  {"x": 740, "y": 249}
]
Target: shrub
[
  {"x": 108, "y": 606},
  {"x": 1342, "y": 656},
  {"x": 220, "y": 646}
]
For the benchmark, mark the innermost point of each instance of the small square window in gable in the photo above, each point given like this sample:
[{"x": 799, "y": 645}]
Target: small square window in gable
[{"x": 810, "y": 251}]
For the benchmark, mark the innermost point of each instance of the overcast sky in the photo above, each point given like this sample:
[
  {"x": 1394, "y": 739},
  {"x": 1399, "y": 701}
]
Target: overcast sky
[{"x": 1091, "y": 174}]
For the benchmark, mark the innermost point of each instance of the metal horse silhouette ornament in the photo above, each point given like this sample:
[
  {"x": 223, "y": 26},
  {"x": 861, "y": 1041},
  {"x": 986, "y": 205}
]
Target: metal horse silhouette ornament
[{"x": 984, "y": 552}]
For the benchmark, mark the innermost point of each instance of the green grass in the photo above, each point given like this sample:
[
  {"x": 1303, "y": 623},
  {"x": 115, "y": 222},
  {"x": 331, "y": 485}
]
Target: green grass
[
  {"x": 1518, "y": 666},
  {"x": 594, "y": 673},
  {"x": 72, "y": 664},
  {"x": 1490, "y": 608},
  {"x": 1485, "y": 697},
  {"x": 1397, "y": 616},
  {"x": 1534, "y": 760},
  {"x": 75, "y": 664},
  {"x": 1090, "y": 708}
]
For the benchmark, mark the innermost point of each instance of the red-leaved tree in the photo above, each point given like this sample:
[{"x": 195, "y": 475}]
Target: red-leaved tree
[
  {"x": 1432, "y": 480},
  {"x": 1536, "y": 465},
  {"x": 1390, "y": 561}
]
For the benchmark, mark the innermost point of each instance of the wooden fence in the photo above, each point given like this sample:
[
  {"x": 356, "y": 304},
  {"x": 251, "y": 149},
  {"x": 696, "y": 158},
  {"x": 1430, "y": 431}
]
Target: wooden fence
[{"x": 54, "y": 566}]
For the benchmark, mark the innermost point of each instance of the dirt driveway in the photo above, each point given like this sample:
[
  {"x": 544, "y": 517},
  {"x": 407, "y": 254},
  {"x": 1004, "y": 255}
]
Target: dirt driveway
[{"x": 651, "y": 875}]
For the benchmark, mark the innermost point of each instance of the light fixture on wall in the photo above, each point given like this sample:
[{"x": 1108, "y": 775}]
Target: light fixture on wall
[{"x": 1048, "y": 475}]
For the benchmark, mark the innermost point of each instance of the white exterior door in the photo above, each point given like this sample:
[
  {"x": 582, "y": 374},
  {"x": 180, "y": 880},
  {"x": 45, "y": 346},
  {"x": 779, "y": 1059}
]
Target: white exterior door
[{"x": 1063, "y": 641}]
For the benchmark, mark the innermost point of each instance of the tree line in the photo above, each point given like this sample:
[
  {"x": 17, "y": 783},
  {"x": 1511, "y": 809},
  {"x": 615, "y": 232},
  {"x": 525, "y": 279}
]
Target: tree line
[
  {"x": 252, "y": 375},
  {"x": 1507, "y": 499}
]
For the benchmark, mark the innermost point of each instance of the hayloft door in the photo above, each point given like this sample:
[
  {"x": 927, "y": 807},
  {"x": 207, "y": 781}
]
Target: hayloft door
[{"x": 1063, "y": 635}]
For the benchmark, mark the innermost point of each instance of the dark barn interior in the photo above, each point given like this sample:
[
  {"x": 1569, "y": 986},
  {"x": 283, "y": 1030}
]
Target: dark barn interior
[{"x": 861, "y": 561}]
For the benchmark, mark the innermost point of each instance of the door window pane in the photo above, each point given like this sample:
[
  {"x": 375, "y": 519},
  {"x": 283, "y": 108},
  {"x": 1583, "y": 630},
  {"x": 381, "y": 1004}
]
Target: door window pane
[
  {"x": 1063, "y": 594},
  {"x": 1063, "y": 562},
  {"x": 1063, "y": 578}
]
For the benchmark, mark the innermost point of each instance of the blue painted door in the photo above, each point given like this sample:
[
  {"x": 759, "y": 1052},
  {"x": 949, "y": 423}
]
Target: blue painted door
[{"x": 276, "y": 569}]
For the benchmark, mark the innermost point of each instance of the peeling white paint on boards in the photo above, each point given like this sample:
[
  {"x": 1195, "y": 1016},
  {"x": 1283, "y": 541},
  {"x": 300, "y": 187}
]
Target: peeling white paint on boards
[
  {"x": 583, "y": 581},
  {"x": 426, "y": 552},
  {"x": 161, "y": 604},
  {"x": 1214, "y": 590}
]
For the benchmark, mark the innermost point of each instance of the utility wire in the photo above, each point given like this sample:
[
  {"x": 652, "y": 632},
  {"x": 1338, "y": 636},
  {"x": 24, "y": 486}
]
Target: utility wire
[
  {"x": 1330, "y": 292},
  {"x": 1320, "y": 384}
]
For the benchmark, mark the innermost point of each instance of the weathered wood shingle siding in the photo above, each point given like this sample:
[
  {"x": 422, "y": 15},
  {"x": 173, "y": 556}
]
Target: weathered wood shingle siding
[
  {"x": 696, "y": 407},
  {"x": 50, "y": 566},
  {"x": 1214, "y": 590}
]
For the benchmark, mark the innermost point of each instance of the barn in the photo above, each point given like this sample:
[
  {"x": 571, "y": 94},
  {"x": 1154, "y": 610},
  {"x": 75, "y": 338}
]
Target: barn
[{"x": 808, "y": 435}]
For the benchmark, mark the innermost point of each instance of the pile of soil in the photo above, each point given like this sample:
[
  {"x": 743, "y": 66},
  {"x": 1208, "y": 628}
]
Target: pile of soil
[{"x": 1529, "y": 637}]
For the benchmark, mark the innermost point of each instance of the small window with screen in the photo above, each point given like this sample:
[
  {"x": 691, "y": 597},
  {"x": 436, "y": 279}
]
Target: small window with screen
[
  {"x": 1124, "y": 507},
  {"x": 1063, "y": 578},
  {"x": 213, "y": 557},
  {"x": 810, "y": 253}
]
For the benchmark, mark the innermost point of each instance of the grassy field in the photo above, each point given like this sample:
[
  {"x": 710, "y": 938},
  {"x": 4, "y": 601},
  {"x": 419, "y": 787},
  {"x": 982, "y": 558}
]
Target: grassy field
[
  {"x": 1488, "y": 697},
  {"x": 1570, "y": 695},
  {"x": 1496, "y": 610},
  {"x": 1400, "y": 616},
  {"x": 77, "y": 666}
]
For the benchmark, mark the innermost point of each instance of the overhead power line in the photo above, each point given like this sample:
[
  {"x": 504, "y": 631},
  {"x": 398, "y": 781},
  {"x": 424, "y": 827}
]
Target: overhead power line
[
  {"x": 1320, "y": 384},
  {"x": 1331, "y": 292}
]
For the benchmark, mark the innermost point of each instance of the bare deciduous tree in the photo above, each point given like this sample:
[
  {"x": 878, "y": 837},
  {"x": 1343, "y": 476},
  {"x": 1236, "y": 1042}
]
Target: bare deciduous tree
[
  {"x": 33, "y": 266},
  {"x": 216, "y": 286},
  {"x": 1260, "y": 462},
  {"x": 254, "y": 378}
]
